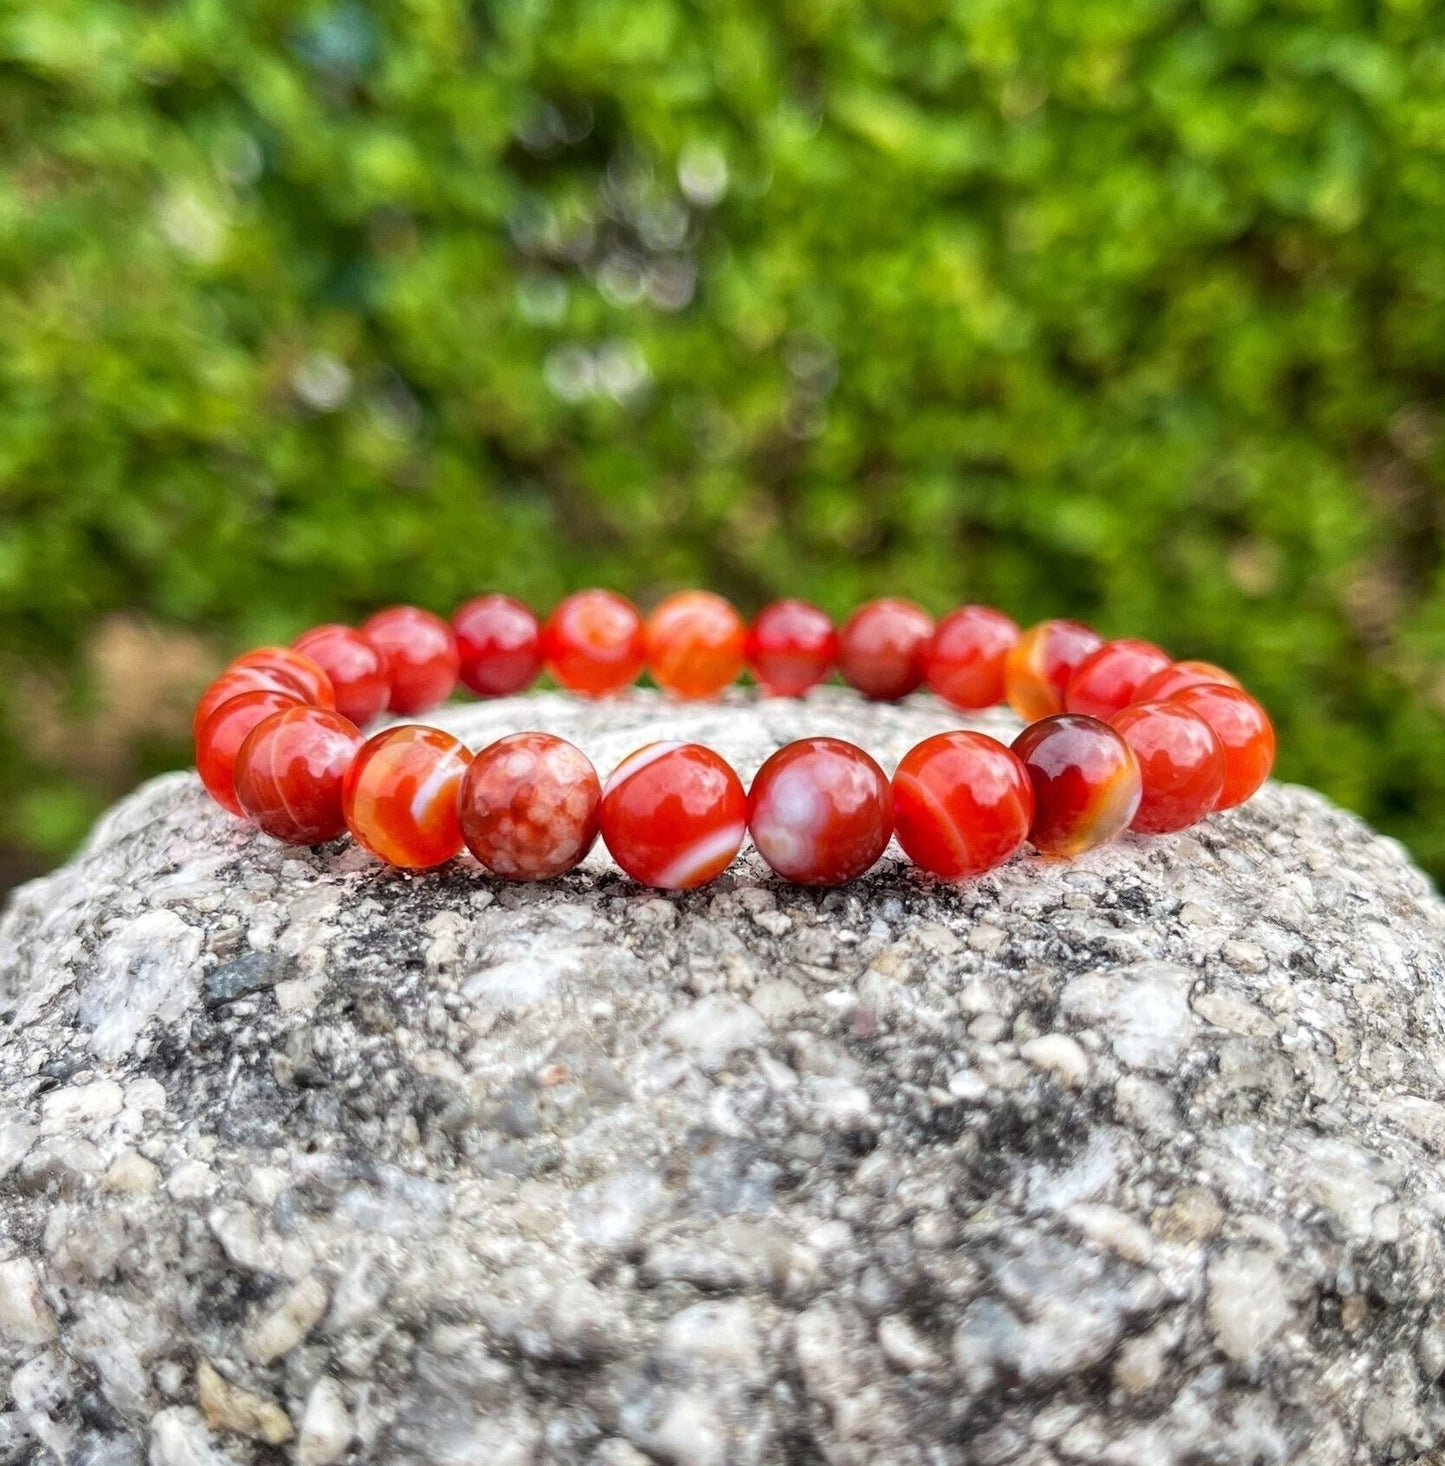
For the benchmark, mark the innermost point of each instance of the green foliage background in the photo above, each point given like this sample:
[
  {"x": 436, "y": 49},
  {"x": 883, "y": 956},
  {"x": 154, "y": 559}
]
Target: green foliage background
[{"x": 1126, "y": 309}]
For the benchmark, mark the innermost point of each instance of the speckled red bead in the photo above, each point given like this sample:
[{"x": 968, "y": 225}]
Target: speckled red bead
[
  {"x": 593, "y": 643},
  {"x": 356, "y": 669},
  {"x": 1039, "y": 664},
  {"x": 694, "y": 643},
  {"x": 1086, "y": 783},
  {"x": 223, "y": 733},
  {"x": 1244, "y": 732},
  {"x": 528, "y": 806},
  {"x": 421, "y": 657},
  {"x": 883, "y": 648},
  {"x": 791, "y": 646},
  {"x": 499, "y": 645},
  {"x": 962, "y": 804},
  {"x": 1181, "y": 764},
  {"x": 965, "y": 662},
  {"x": 820, "y": 811},
  {"x": 289, "y": 771},
  {"x": 673, "y": 815},
  {"x": 400, "y": 795},
  {"x": 1110, "y": 678}
]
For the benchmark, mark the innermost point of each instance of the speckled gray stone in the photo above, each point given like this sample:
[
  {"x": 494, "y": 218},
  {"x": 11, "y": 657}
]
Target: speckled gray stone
[{"x": 1132, "y": 1161}]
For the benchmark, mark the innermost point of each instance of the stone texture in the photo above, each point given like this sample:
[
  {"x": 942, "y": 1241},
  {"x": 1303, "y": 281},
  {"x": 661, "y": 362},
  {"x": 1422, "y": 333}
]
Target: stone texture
[{"x": 1135, "y": 1161}]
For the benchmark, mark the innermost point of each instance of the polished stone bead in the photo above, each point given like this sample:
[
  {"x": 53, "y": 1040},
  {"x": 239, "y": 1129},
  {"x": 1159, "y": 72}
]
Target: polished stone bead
[
  {"x": 1039, "y": 664},
  {"x": 289, "y": 772},
  {"x": 1181, "y": 764},
  {"x": 962, "y": 804},
  {"x": 883, "y": 648},
  {"x": 400, "y": 795},
  {"x": 965, "y": 659},
  {"x": 356, "y": 668},
  {"x": 593, "y": 643},
  {"x": 223, "y": 733},
  {"x": 1244, "y": 731},
  {"x": 528, "y": 806},
  {"x": 820, "y": 811},
  {"x": 421, "y": 657},
  {"x": 673, "y": 815},
  {"x": 1179, "y": 675},
  {"x": 286, "y": 661},
  {"x": 1110, "y": 678},
  {"x": 244, "y": 679},
  {"x": 694, "y": 644},
  {"x": 791, "y": 646},
  {"x": 1086, "y": 782},
  {"x": 500, "y": 645}
]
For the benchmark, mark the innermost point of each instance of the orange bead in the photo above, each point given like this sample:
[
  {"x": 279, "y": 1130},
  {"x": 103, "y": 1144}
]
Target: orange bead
[
  {"x": 1245, "y": 732},
  {"x": 966, "y": 656},
  {"x": 1179, "y": 675},
  {"x": 1110, "y": 678},
  {"x": 296, "y": 665},
  {"x": 1039, "y": 664},
  {"x": 593, "y": 642},
  {"x": 289, "y": 773},
  {"x": 400, "y": 795},
  {"x": 695, "y": 643},
  {"x": 1086, "y": 782},
  {"x": 222, "y": 735}
]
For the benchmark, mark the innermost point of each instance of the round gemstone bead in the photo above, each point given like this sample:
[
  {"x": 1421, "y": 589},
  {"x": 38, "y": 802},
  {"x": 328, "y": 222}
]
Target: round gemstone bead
[
  {"x": 223, "y": 733},
  {"x": 1086, "y": 782},
  {"x": 289, "y": 772},
  {"x": 1181, "y": 764},
  {"x": 286, "y": 661},
  {"x": 695, "y": 643},
  {"x": 500, "y": 645},
  {"x": 528, "y": 806},
  {"x": 883, "y": 648},
  {"x": 966, "y": 656},
  {"x": 593, "y": 642},
  {"x": 673, "y": 815},
  {"x": 962, "y": 804},
  {"x": 243, "y": 679},
  {"x": 791, "y": 646},
  {"x": 400, "y": 795},
  {"x": 1039, "y": 664},
  {"x": 356, "y": 669},
  {"x": 1244, "y": 731},
  {"x": 421, "y": 656},
  {"x": 1110, "y": 678},
  {"x": 820, "y": 811},
  {"x": 1179, "y": 675}
]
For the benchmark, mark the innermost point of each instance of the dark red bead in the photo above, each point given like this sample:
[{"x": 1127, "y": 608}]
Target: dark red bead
[
  {"x": 421, "y": 656},
  {"x": 1086, "y": 782},
  {"x": 883, "y": 648},
  {"x": 357, "y": 670},
  {"x": 500, "y": 645},
  {"x": 791, "y": 646}
]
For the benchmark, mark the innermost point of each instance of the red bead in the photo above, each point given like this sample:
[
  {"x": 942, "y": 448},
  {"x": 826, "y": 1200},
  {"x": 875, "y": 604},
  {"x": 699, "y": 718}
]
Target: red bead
[
  {"x": 421, "y": 656},
  {"x": 223, "y": 733},
  {"x": 1110, "y": 678},
  {"x": 528, "y": 806},
  {"x": 673, "y": 815},
  {"x": 500, "y": 645},
  {"x": 883, "y": 647},
  {"x": 1086, "y": 782},
  {"x": 400, "y": 795},
  {"x": 1179, "y": 675},
  {"x": 791, "y": 646},
  {"x": 288, "y": 662},
  {"x": 820, "y": 811},
  {"x": 1181, "y": 764},
  {"x": 1245, "y": 732},
  {"x": 356, "y": 669},
  {"x": 289, "y": 772},
  {"x": 593, "y": 642},
  {"x": 966, "y": 656},
  {"x": 695, "y": 643},
  {"x": 243, "y": 679},
  {"x": 1039, "y": 664},
  {"x": 962, "y": 804}
]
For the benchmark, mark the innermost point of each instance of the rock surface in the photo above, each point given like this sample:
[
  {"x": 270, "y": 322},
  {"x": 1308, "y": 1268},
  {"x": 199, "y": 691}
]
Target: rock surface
[{"x": 1135, "y": 1160}]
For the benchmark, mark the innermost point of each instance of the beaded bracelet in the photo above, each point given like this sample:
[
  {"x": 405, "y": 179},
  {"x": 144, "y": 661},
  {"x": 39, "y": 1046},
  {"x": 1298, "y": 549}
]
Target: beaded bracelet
[{"x": 1119, "y": 736}]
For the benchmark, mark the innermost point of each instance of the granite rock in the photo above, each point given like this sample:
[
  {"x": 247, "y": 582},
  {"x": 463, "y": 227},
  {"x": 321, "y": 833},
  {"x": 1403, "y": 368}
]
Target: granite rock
[{"x": 1133, "y": 1161}]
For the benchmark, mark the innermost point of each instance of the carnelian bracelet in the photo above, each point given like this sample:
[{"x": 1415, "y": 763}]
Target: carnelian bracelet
[{"x": 1119, "y": 736}]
